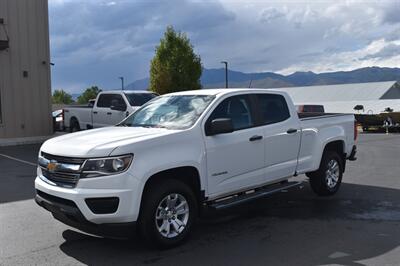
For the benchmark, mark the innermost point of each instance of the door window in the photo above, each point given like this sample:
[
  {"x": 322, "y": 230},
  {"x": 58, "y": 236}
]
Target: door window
[
  {"x": 237, "y": 108},
  {"x": 273, "y": 108},
  {"x": 108, "y": 100}
]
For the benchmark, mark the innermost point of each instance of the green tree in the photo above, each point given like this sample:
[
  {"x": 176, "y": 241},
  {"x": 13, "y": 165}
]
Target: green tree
[
  {"x": 88, "y": 94},
  {"x": 175, "y": 66},
  {"x": 61, "y": 97}
]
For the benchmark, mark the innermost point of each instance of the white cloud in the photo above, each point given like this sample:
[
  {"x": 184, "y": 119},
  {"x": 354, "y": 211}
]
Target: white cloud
[
  {"x": 113, "y": 3},
  {"x": 93, "y": 42},
  {"x": 378, "y": 53}
]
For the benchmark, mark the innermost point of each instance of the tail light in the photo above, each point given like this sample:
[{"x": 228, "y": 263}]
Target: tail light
[{"x": 355, "y": 130}]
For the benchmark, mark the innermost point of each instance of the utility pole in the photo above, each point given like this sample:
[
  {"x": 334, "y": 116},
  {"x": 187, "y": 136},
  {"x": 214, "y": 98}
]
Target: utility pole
[
  {"x": 122, "y": 82},
  {"x": 226, "y": 73},
  {"x": 251, "y": 81}
]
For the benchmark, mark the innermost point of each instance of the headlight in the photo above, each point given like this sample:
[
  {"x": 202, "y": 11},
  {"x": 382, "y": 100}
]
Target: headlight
[{"x": 106, "y": 166}]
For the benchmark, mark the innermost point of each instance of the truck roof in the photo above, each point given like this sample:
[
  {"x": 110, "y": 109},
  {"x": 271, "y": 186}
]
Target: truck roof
[
  {"x": 136, "y": 91},
  {"x": 222, "y": 91},
  {"x": 127, "y": 91}
]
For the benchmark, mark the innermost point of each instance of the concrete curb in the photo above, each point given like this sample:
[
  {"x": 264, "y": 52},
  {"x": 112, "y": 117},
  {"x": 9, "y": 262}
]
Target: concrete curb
[{"x": 28, "y": 140}]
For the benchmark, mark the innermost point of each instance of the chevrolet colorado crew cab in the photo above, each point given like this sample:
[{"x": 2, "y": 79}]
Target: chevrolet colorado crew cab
[
  {"x": 109, "y": 108},
  {"x": 183, "y": 152}
]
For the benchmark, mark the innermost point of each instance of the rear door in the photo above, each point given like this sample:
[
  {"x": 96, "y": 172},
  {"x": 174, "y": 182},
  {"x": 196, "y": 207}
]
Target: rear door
[
  {"x": 235, "y": 160},
  {"x": 281, "y": 132},
  {"x": 103, "y": 115}
]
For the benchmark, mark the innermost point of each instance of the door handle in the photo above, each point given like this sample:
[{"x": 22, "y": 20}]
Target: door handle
[
  {"x": 95, "y": 112},
  {"x": 256, "y": 137},
  {"x": 109, "y": 113},
  {"x": 291, "y": 130}
]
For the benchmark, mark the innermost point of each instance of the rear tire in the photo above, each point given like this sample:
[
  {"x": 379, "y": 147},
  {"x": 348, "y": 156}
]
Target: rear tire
[
  {"x": 327, "y": 179},
  {"x": 167, "y": 215}
]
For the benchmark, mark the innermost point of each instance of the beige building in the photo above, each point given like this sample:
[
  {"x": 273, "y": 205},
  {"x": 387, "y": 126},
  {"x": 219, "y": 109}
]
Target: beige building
[{"x": 25, "y": 91}]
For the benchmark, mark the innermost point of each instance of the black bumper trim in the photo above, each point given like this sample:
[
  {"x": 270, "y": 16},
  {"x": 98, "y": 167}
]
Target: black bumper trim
[
  {"x": 103, "y": 205},
  {"x": 352, "y": 156},
  {"x": 72, "y": 216}
]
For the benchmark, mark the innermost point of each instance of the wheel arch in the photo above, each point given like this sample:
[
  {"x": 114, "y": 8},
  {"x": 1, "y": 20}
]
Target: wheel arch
[
  {"x": 336, "y": 146},
  {"x": 188, "y": 175},
  {"x": 72, "y": 120}
]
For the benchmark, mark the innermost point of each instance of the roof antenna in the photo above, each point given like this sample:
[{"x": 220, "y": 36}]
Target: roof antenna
[{"x": 250, "y": 83}]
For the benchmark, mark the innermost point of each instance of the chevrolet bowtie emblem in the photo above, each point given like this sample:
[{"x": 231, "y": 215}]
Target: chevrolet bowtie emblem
[{"x": 52, "y": 166}]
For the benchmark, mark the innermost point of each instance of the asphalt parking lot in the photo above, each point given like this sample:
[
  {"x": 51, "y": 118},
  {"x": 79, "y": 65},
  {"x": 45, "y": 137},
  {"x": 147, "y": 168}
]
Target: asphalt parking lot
[{"x": 358, "y": 226}]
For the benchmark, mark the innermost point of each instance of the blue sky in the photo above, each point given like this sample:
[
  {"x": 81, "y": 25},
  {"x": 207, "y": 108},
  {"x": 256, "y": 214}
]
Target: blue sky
[{"x": 93, "y": 42}]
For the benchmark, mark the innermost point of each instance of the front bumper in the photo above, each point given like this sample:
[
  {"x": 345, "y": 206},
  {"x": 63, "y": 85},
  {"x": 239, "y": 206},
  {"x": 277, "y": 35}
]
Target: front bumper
[
  {"x": 68, "y": 213},
  {"x": 123, "y": 187}
]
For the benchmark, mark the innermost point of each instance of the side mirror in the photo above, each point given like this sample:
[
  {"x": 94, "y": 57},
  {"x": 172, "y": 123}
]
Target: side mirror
[
  {"x": 118, "y": 108},
  {"x": 220, "y": 126}
]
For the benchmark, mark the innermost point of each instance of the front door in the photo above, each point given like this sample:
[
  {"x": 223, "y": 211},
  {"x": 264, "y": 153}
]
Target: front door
[{"x": 235, "y": 160}]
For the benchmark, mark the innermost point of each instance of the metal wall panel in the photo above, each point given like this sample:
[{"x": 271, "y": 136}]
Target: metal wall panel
[
  {"x": 369, "y": 91},
  {"x": 25, "y": 101}
]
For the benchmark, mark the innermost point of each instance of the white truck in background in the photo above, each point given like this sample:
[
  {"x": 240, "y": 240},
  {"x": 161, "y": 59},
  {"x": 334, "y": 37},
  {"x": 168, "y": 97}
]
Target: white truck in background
[
  {"x": 186, "y": 151},
  {"x": 109, "y": 108}
]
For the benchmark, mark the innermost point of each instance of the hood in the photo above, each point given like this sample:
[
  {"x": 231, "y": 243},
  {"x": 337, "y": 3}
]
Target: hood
[{"x": 99, "y": 142}]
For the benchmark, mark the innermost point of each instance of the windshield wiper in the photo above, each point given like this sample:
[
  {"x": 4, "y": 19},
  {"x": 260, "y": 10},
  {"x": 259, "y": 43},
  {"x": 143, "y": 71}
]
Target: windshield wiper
[
  {"x": 145, "y": 126},
  {"x": 150, "y": 126}
]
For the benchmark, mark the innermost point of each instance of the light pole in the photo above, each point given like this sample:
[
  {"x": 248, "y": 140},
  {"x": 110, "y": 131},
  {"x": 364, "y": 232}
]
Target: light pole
[
  {"x": 226, "y": 73},
  {"x": 122, "y": 82}
]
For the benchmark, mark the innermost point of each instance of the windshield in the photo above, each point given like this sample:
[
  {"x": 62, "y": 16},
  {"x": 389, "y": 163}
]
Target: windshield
[
  {"x": 172, "y": 112},
  {"x": 138, "y": 99}
]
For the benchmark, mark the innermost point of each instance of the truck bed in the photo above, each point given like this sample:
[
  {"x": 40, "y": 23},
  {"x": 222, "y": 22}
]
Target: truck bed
[
  {"x": 82, "y": 113},
  {"x": 316, "y": 129},
  {"x": 309, "y": 115}
]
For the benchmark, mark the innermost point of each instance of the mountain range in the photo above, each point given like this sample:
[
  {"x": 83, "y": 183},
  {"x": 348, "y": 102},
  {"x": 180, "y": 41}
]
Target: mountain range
[{"x": 215, "y": 78}]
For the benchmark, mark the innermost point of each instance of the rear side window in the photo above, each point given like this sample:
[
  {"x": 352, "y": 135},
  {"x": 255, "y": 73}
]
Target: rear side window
[
  {"x": 107, "y": 100},
  {"x": 104, "y": 100},
  {"x": 273, "y": 108},
  {"x": 313, "y": 109},
  {"x": 237, "y": 108}
]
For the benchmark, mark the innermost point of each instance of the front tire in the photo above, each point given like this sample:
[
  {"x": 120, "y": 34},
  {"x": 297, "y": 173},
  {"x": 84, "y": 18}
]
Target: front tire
[
  {"x": 327, "y": 179},
  {"x": 168, "y": 213}
]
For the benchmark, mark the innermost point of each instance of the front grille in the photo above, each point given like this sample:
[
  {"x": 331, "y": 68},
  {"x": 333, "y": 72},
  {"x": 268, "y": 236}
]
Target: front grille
[
  {"x": 63, "y": 178},
  {"x": 62, "y": 159}
]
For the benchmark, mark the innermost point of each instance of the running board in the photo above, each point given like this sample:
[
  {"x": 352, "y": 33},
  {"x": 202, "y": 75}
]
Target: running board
[{"x": 237, "y": 199}]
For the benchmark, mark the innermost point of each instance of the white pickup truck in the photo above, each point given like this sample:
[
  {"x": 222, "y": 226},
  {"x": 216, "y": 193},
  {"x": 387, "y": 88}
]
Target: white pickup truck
[
  {"x": 109, "y": 108},
  {"x": 185, "y": 151}
]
